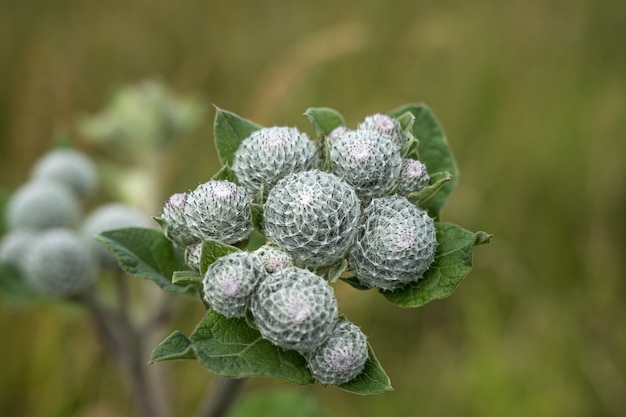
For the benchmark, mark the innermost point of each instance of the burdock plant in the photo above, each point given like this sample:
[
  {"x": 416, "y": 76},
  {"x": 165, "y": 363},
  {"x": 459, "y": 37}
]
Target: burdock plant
[{"x": 267, "y": 240}]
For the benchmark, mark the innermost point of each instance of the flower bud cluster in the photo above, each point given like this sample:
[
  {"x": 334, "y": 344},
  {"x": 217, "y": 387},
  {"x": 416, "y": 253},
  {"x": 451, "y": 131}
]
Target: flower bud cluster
[{"x": 49, "y": 241}]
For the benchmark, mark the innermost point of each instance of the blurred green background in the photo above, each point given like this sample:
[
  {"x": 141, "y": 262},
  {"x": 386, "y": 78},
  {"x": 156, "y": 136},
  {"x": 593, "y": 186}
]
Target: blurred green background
[{"x": 532, "y": 95}]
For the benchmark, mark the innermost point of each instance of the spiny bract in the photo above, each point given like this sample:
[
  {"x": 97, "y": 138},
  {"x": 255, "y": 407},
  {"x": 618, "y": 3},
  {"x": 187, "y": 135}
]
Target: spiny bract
[
  {"x": 273, "y": 259},
  {"x": 368, "y": 160},
  {"x": 42, "y": 205},
  {"x": 70, "y": 168},
  {"x": 173, "y": 215},
  {"x": 218, "y": 210},
  {"x": 384, "y": 124},
  {"x": 271, "y": 153},
  {"x": 342, "y": 357},
  {"x": 60, "y": 264},
  {"x": 230, "y": 281},
  {"x": 313, "y": 216},
  {"x": 413, "y": 177},
  {"x": 294, "y": 309},
  {"x": 395, "y": 245}
]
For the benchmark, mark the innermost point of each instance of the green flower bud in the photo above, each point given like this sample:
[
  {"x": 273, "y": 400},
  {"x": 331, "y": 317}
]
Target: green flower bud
[
  {"x": 294, "y": 309},
  {"x": 386, "y": 125},
  {"x": 173, "y": 214},
  {"x": 313, "y": 216},
  {"x": 218, "y": 210},
  {"x": 367, "y": 160},
  {"x": 69, "y": 168},
  {"x": 13, "y": 247},
  {"x": 108, "y": 217},
  {"x": 273, "y": 259},
  {"x": 342, "y": 357},
  {"x": 395, "y": 244},
  {"x": 413, "y": 177},
  {"x": 59, "y": 263},
  {"x": 42, "y": 205},
  {"x": 230, "y": 281},
  {"x": 270, "y": 154}
]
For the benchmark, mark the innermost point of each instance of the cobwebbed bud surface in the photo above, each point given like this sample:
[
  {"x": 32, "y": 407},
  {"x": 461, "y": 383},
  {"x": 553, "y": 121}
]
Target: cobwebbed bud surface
[
  {"x": 341, "y": 357},
  {"x": 59, "y": 263},
  {"x": 69, "y": 168},
  {"x": 367, "y": 160},
  {"x": 295, "y": 309},
  {"x": 14, "y": 246},
  {"x": 273, "y": 259},
  {"x": 313, "y": 216},
  {"x": 395, "y": 245},
  {"x": 42, "y": 205},
  {"x": 386, "y": 125},
  {"x": 173, "y": 214},
  {"x": 413, "y": 177},
  {"x": 230, "y": 281},
  {"x": 218, "y": 210},
  {"x": 272, "y": 153}
]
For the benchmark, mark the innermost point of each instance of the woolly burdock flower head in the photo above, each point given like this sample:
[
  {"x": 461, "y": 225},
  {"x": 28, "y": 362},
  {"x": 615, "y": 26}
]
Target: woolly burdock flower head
[
  {"x": 271, "y": 153},
  {"x": 59, "y": 263},
  {"x": 42, "y": 205},
  {"x": 108, "y": 217},
  {"x": 230, "y": 281},
  {"x": 386, "y": 125},
  {"x": 313, "y": 216},
  {"x": 294, "y": 309},
  {"x": 368, "y": 160},
  {"x": 193, "y": 255},
  {"x": 273, "y": 259},
  {"x": 342, "y": 357},
  {"x": 174, "y": 221},
  {"x": 14, "y": 246},
  {"x": 218, "y": 210},
  {"x": 413, "y": 177},
  {"x": 395, "y": 244},
  {"x": 69, "y": 168}
]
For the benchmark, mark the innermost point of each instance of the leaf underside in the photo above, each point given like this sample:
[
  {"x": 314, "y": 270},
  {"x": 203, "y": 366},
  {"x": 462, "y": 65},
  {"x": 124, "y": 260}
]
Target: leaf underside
[{"x": 229, "y": 130}]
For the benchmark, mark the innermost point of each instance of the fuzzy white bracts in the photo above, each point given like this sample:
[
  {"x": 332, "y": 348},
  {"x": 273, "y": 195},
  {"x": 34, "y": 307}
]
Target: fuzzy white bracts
[
  {"x": 295, "y": 309},
  {"x": 230, "y": 282},
  {"x": 341, "y": 357},
  {"x": 70, "y": 168},
  {"x": 413, "y": 177},
  {"x": 273, "y": 259},
  {"x": 312, "y": 216},
  {"x": 270, "y": 154},
  {"x": 395, "y": 244},
  {"x": 386, "y": 125}
]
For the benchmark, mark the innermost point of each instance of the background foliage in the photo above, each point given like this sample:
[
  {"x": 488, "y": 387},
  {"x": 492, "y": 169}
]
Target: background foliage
[{"x": 531, "y": 94}]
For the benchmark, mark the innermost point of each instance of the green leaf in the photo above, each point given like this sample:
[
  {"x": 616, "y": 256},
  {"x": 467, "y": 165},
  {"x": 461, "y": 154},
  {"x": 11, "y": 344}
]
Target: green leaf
[
  {"x": 175, "y": 347},
  {"x": 355, "y": 283},
  {"x": 226, "y": 174},
  {"x": 372, "y": 380},
  {"x": 324, "y": 119},
  {"x": 211, "y": 250},
  {"x": 278, "y": 403},
  {"x": 229, "y": 130},
  {"x": 434, "y": 150},
  {"x": 453, "y": 261},
  {"x": 13, "y": 288},
  {"x": 256, "y": 212},
  {"x": 187, "y": 278},
  {"x": 406, "y": 120},
  {"x": 229, "y": 347},
  {"x": 410, "y": 149},
  {"x": 419, "y": 198},
  {"x": 145, "y": 253},
  {"x": 337, "y": 269},
  {"x": 327, "y": 165}
]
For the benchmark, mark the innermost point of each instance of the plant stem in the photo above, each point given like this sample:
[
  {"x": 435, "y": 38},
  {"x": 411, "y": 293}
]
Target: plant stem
[{"x": 224, "y": 394}]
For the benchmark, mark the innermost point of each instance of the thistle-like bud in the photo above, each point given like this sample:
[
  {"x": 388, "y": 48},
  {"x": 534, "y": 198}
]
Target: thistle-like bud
[
  {"x": 108, "y": 217},
  {"x": 269, "y": 154},
  {"x": 273, "y": 259},
  {"x": 337, "y": 132},
  {"x": 367, "y": 160},
  {"x": 41, "y": 205},
  {"x": 218, "y": 210},
  {"x": 413, "y": 177},
  {"x": 294, "y": 309},
  {"x": 395, "y": 244},
  {"x": 59, "y": 263},
  {"x": 230, "y": 281},
  {"x": 13, "y": 247},
  {"x": 193, "y": 255},
  {"x": 313, "y": 216},
  {"x": 173, "y": 215},
  {"x": 386, "y": 125},
  {"x": 69, "y": 168},
  {"x": 342, "y": 357}
]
